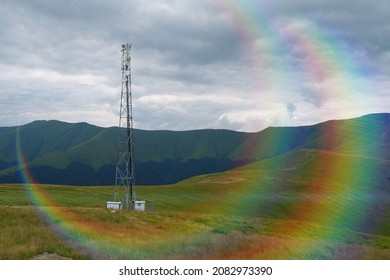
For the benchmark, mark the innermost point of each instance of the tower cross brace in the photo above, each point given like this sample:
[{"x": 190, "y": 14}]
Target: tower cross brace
[{"x": 124, "y": 172}]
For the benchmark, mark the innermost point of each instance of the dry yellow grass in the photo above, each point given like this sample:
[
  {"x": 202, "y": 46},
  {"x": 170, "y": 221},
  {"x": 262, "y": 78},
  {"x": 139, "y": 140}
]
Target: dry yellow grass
[
  {"x": 24, "y": 234},
  {"x": 98, "y": 233},
  {"x": 260, "y": 215}
]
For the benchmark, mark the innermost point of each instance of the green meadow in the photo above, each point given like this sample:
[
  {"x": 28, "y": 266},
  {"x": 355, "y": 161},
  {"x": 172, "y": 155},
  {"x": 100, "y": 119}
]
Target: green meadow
[{"x": 253, "y": 212}]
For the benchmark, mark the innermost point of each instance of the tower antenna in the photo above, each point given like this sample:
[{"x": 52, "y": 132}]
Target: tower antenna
[{"x": 124, "y": 172}]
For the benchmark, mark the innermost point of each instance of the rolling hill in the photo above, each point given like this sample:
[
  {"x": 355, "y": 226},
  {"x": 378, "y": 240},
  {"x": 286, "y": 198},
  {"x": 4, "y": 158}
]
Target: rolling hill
[
  {"x": 303, "y": 204},
  {"x": 313, "y": 192},
  {"x": 83, "y": 154}
]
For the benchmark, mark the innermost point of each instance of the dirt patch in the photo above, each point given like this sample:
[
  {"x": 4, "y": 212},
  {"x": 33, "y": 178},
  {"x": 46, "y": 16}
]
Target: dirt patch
[{"x": 49, "y": 256}]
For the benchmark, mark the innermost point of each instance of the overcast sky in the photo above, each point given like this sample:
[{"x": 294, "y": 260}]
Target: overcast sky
[{"x": 242, "y": 65}]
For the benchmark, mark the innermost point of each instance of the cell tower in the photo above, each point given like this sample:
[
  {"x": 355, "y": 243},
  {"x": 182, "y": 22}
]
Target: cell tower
[{"x": 124, "y": 174}]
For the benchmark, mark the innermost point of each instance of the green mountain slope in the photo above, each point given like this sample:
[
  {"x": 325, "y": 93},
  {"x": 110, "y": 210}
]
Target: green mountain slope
[
  {"x": 83, "y": 154},
  {"x": 367, "y": 135},
  {"x": 317, "y": 187}
]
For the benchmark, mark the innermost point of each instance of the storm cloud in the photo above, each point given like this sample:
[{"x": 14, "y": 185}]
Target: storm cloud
[{"x": 241, "y": 65}]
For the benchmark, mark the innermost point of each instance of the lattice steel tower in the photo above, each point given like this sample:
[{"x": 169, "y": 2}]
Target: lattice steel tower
[{"x": 124, "y": 174}]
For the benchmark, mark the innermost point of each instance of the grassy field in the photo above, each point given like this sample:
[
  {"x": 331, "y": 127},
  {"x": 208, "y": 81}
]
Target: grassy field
[{"x": 254, "y": 212}]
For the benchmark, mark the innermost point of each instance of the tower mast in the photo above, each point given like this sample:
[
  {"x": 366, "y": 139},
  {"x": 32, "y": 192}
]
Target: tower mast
[{"x": 124, "y": 174}]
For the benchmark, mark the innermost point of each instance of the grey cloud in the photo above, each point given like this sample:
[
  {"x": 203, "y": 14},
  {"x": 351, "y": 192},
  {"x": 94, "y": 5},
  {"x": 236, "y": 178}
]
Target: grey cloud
[
  {"x": 361, "y": 21},
  {"x": 68, "y": 53},
  {"x": 291, "y": 108}
]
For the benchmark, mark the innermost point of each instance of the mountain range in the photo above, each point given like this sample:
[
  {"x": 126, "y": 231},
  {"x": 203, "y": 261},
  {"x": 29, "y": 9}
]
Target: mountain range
[{"x": 83, "y": 154}]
